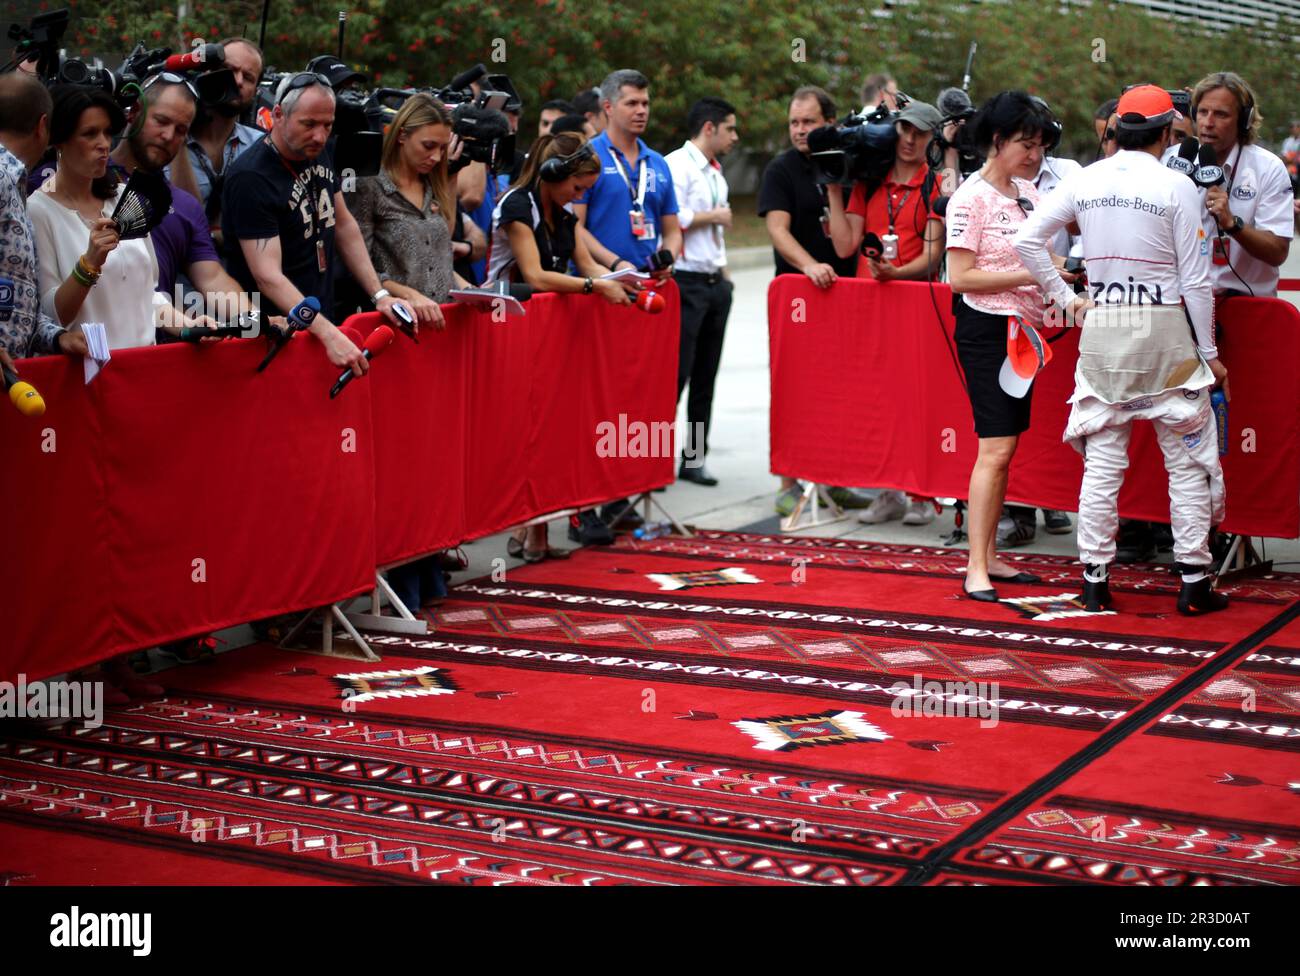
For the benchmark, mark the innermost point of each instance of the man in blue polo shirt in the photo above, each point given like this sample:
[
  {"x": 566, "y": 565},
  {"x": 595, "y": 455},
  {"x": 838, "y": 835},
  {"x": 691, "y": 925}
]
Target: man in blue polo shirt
[{"x": 630, "y": 213}]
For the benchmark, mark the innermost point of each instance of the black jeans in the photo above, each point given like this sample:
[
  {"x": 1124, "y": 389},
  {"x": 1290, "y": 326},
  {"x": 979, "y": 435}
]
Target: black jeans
[{"x": 706, "y": 303}]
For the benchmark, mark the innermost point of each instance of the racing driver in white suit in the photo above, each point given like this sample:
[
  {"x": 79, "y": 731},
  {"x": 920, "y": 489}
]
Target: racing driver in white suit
[{"x": 1148, "y": 264}]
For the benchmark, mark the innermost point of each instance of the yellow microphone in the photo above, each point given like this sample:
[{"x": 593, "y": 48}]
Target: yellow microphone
[{"x": 23, "y": 395}]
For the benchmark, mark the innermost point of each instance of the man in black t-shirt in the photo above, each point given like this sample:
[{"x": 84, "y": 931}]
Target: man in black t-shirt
[
  {"x": 283, "y": 217},
  {"x": 794, "y": 204}
]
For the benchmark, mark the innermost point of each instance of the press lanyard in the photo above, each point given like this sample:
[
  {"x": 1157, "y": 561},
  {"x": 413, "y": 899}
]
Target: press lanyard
[
  {"x": 889, "y": 205},
  {"x": 638, "y": 198}
]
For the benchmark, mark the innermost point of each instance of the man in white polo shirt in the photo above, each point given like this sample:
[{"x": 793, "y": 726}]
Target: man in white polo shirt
[
  {"x": 1249, "y": 217},
  {"x": 703, "y": 213},
  {"x": 1142, "y": 239}
]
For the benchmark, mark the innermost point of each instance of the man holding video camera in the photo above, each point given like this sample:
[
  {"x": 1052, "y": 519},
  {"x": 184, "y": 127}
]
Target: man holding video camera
[
  {"x": 906, "y": 243},
  {"x": 283, "y": 212}
]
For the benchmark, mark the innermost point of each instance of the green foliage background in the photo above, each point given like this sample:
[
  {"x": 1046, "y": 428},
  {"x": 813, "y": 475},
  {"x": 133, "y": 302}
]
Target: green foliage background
[{"x": 740, "y": 49}]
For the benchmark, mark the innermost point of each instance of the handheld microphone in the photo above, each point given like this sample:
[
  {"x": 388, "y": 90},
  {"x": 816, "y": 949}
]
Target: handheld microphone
[
  {"x": 649, "y": 301},
  {"x": 1208, "y": 171},
  {"x": 407, "y": 322},
  {"x": 195, "y": 334},
  {"x": 872, "y": 246},
  {"x": 1185, "y": 161},
  {"x": 520, "y": 291},
  {"x": 206, "y": 56},
  {"x": 23, "y": 395},
  {"x": 376, "y": 343},
  {"x": 663, "y": 258},
  {"x": 300, "y": 317}
]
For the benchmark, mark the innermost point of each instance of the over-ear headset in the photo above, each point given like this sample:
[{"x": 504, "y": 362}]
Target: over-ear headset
[{"x": 557, "y": 169}]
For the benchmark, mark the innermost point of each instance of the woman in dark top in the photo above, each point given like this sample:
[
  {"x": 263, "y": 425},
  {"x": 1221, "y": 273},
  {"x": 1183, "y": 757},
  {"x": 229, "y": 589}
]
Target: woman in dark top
[{"x": 534, "y": 240}]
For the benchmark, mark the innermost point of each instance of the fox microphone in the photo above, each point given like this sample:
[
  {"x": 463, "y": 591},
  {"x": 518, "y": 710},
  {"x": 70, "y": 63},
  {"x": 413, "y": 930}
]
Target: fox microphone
[
  {"x": 375, "y": 343},
  {"x": 649, "y": 301},
  {"x": 1185, "y": 161},
  {"x": 1208, "y": 171}
]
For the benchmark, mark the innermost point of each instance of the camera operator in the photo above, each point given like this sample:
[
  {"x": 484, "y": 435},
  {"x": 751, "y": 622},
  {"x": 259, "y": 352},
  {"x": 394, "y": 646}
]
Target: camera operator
[
  {"x": 880, "y": 89},
  {"x": 25, "y": 111},
  {"x": 182, "y": 242},
  {"x": 1140, "y": 224},
  {"x": 282, "y": 209},
  {"x": 1248, "y": 216},
  {"x": 629, "y": 214},
  {"x": 218, "y": 138},
  {"x": 899, "y": 210}
]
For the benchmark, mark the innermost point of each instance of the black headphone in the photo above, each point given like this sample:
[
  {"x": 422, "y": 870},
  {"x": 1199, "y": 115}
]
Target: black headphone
[
  {"x": 1245, "y": 109},
  {"x": 557, "y": 169},
  {"x": 1051, "y": 138}
]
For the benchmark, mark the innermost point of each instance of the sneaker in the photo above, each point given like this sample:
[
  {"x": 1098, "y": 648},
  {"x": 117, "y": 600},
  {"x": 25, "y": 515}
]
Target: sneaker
[
  {"x": 847, "y": 498},
  {"x": 1056, "y": 523},
  {"x": 1011, "y": 533},
  {"x": 787, "y": 499},
  {"x": 886, "y": 507},
  {"x": 587, "y": 529},
  {"x": 920, "y": 511}
]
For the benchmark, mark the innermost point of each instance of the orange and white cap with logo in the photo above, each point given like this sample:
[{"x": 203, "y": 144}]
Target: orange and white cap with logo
[
  {"x": 1146, "y": 107},
  {"x": 1027, "y": 353}
]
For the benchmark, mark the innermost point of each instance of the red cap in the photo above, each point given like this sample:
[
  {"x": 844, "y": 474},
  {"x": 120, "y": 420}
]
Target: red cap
[{"x": 1146, "y": 107}]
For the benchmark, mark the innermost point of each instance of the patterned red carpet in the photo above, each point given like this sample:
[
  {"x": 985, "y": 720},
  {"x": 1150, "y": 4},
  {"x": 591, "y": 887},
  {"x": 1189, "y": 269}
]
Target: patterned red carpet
[{"x": 718, "y": 710}]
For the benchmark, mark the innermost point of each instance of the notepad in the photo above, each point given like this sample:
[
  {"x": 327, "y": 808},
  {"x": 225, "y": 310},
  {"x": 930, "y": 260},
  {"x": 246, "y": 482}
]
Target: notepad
[{"x": 97, "y": 355}]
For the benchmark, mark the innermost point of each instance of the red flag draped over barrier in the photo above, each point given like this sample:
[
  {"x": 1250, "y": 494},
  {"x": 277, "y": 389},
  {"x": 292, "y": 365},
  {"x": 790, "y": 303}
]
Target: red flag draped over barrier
[
  {"x": 866, "y": 392},
  {"x": 182, "y": 492}
]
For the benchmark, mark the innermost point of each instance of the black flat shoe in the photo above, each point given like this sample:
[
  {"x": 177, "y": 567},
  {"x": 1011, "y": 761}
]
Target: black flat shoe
[
  {"x": 983, "y": 596},
  {"x": 697, "y": 474},
  {"x": 1017, "y": 578}
]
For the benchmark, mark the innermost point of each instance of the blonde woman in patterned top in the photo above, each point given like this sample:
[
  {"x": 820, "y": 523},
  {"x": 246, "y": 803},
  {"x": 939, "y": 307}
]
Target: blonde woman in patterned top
[{"x": 406, "y": 211}]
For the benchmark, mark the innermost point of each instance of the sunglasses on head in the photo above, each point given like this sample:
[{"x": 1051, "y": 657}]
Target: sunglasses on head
[
  {"x": 304, "y": 79},
  {"x": 171, "y": 78}
]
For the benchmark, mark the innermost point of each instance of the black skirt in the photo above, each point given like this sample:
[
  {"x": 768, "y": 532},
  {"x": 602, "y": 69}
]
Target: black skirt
[{"x": 981, "y": 349}]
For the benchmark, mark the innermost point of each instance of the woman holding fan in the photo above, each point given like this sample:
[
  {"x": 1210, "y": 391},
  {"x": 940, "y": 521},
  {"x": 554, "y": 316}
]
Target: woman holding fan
[{"x": 88, "y": 272}]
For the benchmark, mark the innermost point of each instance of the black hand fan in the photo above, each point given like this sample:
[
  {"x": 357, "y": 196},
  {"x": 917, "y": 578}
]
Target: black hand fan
[{"x": 146, "y": 200}]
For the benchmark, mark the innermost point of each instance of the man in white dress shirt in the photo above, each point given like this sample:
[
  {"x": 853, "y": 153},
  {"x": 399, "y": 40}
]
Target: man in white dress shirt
[
  {"x": 1149, "y": 275},
  {"x": 701, "y": 271}
]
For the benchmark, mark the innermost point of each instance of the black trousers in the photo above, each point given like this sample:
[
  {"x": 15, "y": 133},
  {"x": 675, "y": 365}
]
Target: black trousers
[{"x": 706, "y": 303}]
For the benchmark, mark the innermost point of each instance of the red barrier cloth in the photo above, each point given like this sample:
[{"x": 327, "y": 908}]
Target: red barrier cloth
[
  {"x": 184, "y": 493},
  {"x": 865, "y": 392},
  {"x": 289, "y": 499},
  {"x": 490, "y": 423}
]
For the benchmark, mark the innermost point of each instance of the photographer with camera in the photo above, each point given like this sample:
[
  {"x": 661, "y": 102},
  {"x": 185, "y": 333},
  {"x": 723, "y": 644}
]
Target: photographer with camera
[
  {"x": 282, "y": 211},
  {"x": 25, "y": 111}
]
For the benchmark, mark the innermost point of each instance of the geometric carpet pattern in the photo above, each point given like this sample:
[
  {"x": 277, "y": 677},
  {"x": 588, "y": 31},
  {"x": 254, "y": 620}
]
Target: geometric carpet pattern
[{"x": 808, "y": 711}]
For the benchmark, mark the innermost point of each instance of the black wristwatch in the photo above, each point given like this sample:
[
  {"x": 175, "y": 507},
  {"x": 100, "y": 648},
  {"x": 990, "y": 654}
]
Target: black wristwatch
[{"x": 1237, "y": 225}]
